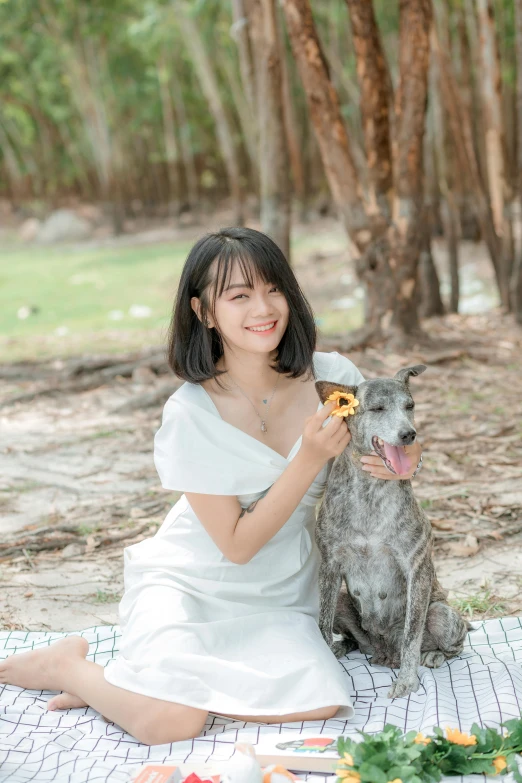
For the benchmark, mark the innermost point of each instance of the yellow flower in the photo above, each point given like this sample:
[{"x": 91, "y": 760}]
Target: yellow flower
[
  {"x": 420, "y": 739},
  {"x": 345, "y": 403},
  {"x": 499, "y": 763},
  {"x": 459, "y": 738},
  {"x": 348, "y": 759},
  {"x": 397, "y": 780},
  {"x": 348, "y": 775}
]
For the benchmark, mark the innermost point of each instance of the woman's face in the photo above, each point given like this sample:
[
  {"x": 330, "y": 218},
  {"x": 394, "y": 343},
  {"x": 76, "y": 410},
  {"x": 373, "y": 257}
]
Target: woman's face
[{"x": 250, "y": 319}]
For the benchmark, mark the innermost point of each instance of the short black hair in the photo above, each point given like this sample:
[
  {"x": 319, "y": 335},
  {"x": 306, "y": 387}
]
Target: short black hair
[{"x": 193, "y": 348}]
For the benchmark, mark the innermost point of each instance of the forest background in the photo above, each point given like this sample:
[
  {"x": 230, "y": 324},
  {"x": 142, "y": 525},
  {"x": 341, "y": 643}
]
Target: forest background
[{"x": 380, "y": 144}]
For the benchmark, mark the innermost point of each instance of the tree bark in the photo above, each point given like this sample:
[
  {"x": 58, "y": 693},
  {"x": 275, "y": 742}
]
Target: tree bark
[
  {"x": 386, "y": 256},
  {"x": 169, "y": 134},
  {"x": 325, "y": 114},
  {"x": 460, "y": 127},
  {"x": 410, "y": 120},
  {"x": 187, "y": 155},
  {"x": 273, "y": 153},
  {"x": 516, "y": 277},
  {"x": 495, "y": 141},
  {"x": 375, "y": 99},
  {"x": 210, "y": 87}
]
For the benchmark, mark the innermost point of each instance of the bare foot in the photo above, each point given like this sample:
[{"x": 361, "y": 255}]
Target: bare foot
[
  {"x": 41, "y": 669},
  {"x": 65, "y": 701}
]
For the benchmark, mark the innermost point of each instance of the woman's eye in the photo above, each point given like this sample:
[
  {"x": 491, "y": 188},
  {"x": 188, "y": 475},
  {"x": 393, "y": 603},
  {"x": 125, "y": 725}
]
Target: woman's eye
[{"x": 238, "y": 296}]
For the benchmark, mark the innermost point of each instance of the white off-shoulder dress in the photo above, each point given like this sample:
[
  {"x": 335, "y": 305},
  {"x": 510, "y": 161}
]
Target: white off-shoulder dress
[{"x": 200, "y": 630}]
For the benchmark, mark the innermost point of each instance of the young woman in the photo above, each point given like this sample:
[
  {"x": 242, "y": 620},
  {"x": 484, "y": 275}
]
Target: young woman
[{"x": 220, "y": 607}]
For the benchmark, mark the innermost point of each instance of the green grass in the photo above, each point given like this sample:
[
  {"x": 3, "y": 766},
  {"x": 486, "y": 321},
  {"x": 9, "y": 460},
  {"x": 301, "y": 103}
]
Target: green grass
[
  {"x": 77, "y": 287},
  {"x": 484, "y": 603},
  {"x": 103, "y": 597}
]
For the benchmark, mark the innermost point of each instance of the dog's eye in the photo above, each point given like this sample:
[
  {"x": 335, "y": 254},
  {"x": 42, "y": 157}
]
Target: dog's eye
[
  {"x": 410, "y": 407},
  {"x": 376, "y": 410}
]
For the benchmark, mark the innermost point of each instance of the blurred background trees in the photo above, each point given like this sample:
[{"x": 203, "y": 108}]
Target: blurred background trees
[{"x": 403, "y": 119}]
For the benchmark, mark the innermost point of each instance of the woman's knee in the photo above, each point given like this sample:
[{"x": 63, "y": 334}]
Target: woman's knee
[{"x": 169, "y": 722}]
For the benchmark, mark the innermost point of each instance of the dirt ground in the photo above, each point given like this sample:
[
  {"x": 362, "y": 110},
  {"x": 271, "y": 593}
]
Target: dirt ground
[{"x": 78, "y": 483}]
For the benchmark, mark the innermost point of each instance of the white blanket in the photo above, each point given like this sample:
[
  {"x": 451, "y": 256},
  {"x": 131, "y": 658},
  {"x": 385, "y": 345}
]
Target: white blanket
[{"x": 484, "y": 686}]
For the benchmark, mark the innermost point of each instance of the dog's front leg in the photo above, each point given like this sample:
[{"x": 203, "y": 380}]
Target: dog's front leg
[
  {"x": 418, "y": 597},
  {"x": 330, "y": 579}
]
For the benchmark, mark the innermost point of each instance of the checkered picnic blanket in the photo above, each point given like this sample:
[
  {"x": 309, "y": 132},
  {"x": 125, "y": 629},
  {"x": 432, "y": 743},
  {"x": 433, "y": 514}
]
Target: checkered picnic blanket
[{"x": 483, "y": 685}]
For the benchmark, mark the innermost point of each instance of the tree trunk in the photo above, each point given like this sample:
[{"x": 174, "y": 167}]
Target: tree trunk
[
  {"x": 431, "y": 302},
  {"x": 273, "y": 153},
  {"x": 292, "y": 137},
  {"x": 494, "y": 137},
  {"x": 459, "y": 123},
  {"x": 375, "y": 99},
  {"x": 386, "y": 257},
  {"x": 187, "y": 155},
  {"x": 516, "y": 277},
  {"x": 325, "y": 114},
  {"x": 169, "y": 135},
  {"x": 240, "y": 32},
  {"x": 207, "y": 78},
  {"x": 406, "y": 233}
]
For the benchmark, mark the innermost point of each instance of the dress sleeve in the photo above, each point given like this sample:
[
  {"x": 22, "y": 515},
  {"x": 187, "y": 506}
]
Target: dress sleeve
[
  {"x": 197, "y": 451},
  {"x": 342, "y": 370}
]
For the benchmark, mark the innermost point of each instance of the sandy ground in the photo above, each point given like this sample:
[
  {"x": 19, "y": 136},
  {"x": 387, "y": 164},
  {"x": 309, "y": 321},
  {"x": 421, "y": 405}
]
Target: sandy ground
[{"x": 71, "y": 460}]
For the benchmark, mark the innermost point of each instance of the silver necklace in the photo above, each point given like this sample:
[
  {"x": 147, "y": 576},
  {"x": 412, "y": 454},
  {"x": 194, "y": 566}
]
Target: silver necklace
[{"x": 263, "y": 420}]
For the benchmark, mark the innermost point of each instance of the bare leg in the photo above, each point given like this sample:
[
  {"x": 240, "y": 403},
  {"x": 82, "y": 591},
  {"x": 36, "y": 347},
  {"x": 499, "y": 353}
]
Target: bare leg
[
  {"x": 322, "y": 713},
  {"x": 62, "y": 667}
]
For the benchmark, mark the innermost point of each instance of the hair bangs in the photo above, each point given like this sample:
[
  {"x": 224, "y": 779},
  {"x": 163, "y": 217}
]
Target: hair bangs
[{"x": 252, "y": 265}]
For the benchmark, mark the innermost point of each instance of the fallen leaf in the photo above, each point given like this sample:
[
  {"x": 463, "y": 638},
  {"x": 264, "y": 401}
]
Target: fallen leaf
[
  {"x": 441, "y": 524},
  {"x": 28, "y": 594},
  {"x": 470, "y": 546}
]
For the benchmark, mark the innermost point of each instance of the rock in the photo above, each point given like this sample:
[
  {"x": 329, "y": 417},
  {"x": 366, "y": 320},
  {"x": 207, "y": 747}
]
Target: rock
[
  {"x": 72, "y": 550},
  {"x": 90, "y": 212},
  {"x": 143, "y": 375},
  {"x": 64, "y": 225},
  {"x": 140, "y": 311},
  {"x": 29, "y": 229}
]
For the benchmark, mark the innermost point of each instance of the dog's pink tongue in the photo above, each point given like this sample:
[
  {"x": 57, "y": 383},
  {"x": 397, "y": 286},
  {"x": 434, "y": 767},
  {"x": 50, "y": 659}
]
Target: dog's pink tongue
[{"x": 398, "y": 458}]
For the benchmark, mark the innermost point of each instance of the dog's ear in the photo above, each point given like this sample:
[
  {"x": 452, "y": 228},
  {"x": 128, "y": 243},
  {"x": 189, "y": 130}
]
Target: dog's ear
[
  {"x": 404, "y": 374},
  {"x": 325, "y": 388}
]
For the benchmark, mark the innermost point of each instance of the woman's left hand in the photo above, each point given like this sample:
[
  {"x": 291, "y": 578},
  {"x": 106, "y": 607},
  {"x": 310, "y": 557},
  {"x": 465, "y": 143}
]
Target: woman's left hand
[{"x": 374, "y": 465}]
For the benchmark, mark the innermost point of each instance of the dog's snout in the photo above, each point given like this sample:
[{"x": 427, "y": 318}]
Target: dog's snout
[{"x": 407, "y": 437}]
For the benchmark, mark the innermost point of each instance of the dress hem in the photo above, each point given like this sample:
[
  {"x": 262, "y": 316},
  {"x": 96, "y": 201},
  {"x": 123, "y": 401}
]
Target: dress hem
[{"x": 278, "y": 711}]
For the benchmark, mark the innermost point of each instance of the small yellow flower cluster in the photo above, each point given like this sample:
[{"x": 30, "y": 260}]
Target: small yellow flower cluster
[
  {"x": 347, "y": 775},
  {"x": 420, "y": 739},
  {"x": 345, "y": 403},
  {"x": 459, "y": 737}
]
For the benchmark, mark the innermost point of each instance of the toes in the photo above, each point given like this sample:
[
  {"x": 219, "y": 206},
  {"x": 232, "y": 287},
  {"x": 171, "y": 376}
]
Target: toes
[{"x": 65, "y": 701}]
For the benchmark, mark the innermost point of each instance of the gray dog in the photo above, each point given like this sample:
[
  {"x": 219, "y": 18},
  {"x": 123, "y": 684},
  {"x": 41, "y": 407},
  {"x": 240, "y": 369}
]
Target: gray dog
[{"x": 374, "y": 534}]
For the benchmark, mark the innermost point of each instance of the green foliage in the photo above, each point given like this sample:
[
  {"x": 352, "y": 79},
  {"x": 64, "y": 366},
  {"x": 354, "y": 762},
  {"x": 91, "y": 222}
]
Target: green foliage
[{"x": 410, "y": 758}]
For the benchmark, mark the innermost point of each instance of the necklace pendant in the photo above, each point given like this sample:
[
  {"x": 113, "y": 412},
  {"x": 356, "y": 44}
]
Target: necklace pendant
[{"x": 263, "y": 426}]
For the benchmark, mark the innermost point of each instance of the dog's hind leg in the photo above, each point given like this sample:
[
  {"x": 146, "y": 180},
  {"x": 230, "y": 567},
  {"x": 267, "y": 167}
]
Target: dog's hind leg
[
  {"x": 330, "y": 580},
  {"x": 347, "y": 623},
  {"x": 444, "y": 634}
]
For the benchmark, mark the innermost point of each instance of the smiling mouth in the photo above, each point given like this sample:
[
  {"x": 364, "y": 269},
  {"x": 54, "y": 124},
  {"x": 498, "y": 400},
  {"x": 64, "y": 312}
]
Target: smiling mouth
[
  {"x": 393, "y": 457},
  {"x": 264, "y": 328}
]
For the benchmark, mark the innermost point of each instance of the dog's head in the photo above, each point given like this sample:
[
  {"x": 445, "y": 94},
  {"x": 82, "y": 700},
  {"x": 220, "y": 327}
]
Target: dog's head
[{"x": 383, "y": 421}]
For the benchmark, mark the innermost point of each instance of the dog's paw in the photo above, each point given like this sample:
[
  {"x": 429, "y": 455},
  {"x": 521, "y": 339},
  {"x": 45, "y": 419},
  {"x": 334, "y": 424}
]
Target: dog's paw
[
  {"x": 432, "y": 658},
  {"x": 384, "y": 660},
  {"x": 403, "y": 686},
  {"x": 342, "y": 647}
]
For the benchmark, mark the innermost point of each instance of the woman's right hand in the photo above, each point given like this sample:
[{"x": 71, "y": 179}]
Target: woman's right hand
[{"x": 322, "y": 443}]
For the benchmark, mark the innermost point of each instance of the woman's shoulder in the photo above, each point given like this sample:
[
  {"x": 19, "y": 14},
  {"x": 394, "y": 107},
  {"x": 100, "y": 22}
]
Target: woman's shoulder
[{"x": 333, "y": 366}]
